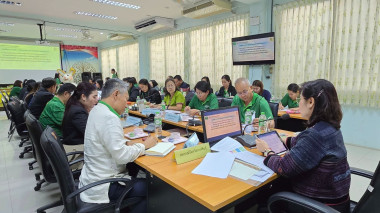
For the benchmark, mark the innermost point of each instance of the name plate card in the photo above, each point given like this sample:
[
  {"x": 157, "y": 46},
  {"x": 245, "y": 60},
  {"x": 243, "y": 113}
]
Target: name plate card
[
  {"x": 149, "y": 111},
  {"x": 192, "y": 153},
  {"x": 173, "y": 117},
  {"x": 132, "y": 121}
]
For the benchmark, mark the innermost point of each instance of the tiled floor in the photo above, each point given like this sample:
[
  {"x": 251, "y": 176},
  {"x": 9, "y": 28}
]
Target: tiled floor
[{"x": 17, "y": 181}]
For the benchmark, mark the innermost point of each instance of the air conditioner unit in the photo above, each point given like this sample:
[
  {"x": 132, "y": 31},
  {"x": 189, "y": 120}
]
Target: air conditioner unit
[
  {"x": 118, "y": 37},
  {"x": 155, "y": 23},
  {"x": 207, "y": 8}
]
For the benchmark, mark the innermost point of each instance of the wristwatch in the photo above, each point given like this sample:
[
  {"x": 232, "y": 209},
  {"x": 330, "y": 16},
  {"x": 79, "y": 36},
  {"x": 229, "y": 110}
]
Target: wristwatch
[{"x": 267, "y": 152}]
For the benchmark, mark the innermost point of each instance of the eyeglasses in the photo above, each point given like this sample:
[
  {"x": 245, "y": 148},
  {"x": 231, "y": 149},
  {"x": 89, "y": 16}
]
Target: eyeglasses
[{"x": 245, "y": 92}]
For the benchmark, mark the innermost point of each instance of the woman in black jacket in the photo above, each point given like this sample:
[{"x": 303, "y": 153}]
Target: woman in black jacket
[
  {"x": 133, "y": 91},
  {"x": 74, "y": 122},
  {"x": 149, "y": 94},
  {"x": 227, "y": 90}
]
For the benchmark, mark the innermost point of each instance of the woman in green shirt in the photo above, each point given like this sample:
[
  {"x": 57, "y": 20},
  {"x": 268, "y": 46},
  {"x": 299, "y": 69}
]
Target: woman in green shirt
[
  {"x": 173, "y": 99},
  {"x": 16, "y": 88},
  {"x": 114, "y": 73},
  {"x": 290, "y": 99},
  {"x": 203, "y": 100}
]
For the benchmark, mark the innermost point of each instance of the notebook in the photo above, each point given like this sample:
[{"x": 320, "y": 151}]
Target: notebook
[{"x": 161, "y": 149}]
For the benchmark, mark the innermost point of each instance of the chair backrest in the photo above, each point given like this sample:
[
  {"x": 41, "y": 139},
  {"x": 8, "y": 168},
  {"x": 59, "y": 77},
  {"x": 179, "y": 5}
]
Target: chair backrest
[
  {"x": 274, "y": 108},
  {"x": 369, "y": 202},
  {"x": 58, "y": 160},
  {"x": 35, "y": 130},
  {"x": 5, "y": 95},
  {"x": 17, "y": 115},
  {"x": 189, "y": 96},
  {"x": 5, "y": 107},
  {"x": 224, "y": 102}
]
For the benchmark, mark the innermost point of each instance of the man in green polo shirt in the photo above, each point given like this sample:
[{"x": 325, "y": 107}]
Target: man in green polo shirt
[
  {"x": 247, "y": 99},
  {"x": 54, "y": 110},
  {"x": 203, "y": 99}
]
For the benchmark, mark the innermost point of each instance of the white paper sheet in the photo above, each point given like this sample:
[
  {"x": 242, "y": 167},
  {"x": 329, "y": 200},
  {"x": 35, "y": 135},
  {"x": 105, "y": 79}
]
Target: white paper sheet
[
  {"x": 215, "y": 165},
  {"x": 242, "y": 171},
  {"x": 228, "y": 144}
]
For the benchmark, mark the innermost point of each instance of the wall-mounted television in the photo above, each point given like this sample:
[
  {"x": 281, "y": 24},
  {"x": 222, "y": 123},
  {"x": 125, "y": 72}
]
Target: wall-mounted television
[{"x": 253, "y": 49}]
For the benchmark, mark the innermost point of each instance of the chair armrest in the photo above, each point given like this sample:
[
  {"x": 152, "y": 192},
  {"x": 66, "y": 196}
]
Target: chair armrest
[
  {"x": 361, "y": 172},
  {"x": 76, "y": 161},
  {"x": 74, "y": 153},
  {"x": 301, "y": 201},
  {"x": 84, "y": 188}
]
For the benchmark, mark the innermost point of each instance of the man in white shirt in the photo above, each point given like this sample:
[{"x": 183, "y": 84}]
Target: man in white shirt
[{"x": 105, "y": 149}]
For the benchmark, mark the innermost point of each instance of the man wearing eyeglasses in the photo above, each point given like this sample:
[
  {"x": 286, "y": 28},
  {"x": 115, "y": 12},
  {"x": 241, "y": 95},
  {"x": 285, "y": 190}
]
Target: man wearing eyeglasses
[{"x": 247, "y": 99}]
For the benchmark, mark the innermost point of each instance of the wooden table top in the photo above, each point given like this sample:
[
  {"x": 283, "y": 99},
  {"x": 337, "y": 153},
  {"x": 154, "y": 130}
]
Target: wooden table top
[
  {"x": 296, "y": 116},
  {"x": 181, "y": 124},
  {"x": 213, "y": 193}
]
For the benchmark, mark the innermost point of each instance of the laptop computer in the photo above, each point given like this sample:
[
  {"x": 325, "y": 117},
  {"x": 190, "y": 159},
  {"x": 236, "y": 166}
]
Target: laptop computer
[{"x": 220, "y": 123}]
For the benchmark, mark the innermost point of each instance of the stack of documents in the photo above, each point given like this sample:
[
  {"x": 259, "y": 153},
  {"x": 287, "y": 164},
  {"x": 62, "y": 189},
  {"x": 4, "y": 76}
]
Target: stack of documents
[
  {"x": 233, "y": 159},
  {"x": 161, "y": 149}
]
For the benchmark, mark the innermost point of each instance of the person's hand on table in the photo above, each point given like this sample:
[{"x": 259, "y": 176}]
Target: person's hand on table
[
  {"x": 261, "y": 145},
  {"x": 187, "y": 110},
  {"x": 280, "y": 107},
  {"x": 150, "y": 142}
]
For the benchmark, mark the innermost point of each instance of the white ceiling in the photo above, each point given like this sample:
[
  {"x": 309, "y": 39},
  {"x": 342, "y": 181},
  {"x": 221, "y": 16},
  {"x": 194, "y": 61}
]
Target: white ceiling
[
  {"x": 60, "y": 14},
  {"x": 61, "y": 24}
]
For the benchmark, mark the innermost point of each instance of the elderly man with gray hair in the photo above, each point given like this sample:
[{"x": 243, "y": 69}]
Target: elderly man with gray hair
[
  {"x": 247, "y": 99},
  {"x": 106, "y": 151}
]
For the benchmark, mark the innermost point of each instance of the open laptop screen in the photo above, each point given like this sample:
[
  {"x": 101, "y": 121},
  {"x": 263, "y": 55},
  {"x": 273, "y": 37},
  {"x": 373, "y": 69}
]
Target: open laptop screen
[{"x": 220, "y": 123}]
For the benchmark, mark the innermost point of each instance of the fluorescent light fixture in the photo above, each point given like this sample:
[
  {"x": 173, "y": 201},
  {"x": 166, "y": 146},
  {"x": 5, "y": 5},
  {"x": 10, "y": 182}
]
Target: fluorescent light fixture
[
  {"x": 68, "y": 29},
  {"x": 64, "y": 36},
  {"x": 4, "y": 31},
  {"x": 118, "y": 4},
  {"x": 95, "y": 15},
  {"x": 10, "y": 3},
  {"x": 7, "y": 24}
]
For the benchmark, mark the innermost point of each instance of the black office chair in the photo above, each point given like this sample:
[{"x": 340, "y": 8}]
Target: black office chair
[
  {"x": 11, "y": 125},
  {"x": 224, "y": 102},
  {"x": 274, "y": 108},
  {"x": 69, "y": 191},
  {"x": 189, "y": 96},
  {"x": 35, "y": 130},
  {"x": 5, "y": 95},
  {"x": 368, "y": 203},
  {"x": 17, "y": 116},
  {"x": 30, "y": 164}
]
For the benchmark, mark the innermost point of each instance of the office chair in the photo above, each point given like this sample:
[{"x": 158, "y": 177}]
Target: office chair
[
  {"x": 5, "y": 95},
  {"x": 11, "y": 125},
  {"x": 189, "y": 96},
  {"x": 224, "y": 102},
  {"x": 17, "y": 116},
  {"x": 69, "y": 191},
  {"x": 274, "y": 108},
  {"x": 368, "y": 203}
]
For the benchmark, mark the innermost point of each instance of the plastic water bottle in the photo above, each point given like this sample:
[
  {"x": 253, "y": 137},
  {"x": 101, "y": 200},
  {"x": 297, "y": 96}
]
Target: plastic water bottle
[
  {"x": 158, "y": 124},
  {"x": 162, "y": 110},
  {"x": 248, "y": 117},
  {"x": 126, "y": 111},
  {"x": 140, "y": 103},
  {"x": 262, "y": 123}
]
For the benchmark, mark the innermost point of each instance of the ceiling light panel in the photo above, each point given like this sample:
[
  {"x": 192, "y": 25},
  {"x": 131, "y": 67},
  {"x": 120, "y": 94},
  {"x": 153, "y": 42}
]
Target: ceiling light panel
[
  {"x": 10, "y": 3},
  {"x": 68, "y": 29},
  {"x": 118, "y": 4},
  {"x": 95, "y": 15},
  {"x": 7, "y": 24},
  {"x": 64, "y": 36}
]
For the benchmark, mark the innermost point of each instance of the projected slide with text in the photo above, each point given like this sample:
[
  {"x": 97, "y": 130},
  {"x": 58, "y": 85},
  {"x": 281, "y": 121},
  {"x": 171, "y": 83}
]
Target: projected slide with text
[
  {"x": 261, "y": 49},
  {"x": 29, "y": 57}
]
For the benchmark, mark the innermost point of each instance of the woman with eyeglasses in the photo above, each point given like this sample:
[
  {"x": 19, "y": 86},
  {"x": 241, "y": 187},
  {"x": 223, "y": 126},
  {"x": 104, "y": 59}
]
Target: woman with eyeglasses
[
  {"x": 316, "y": 165},
  {"x": 203, "y": 100},
  {"x": 173, "y": 99}
]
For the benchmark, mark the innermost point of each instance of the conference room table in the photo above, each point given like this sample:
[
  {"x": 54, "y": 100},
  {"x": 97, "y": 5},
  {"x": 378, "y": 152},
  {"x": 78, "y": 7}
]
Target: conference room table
[
  {"x": 173, "y": 188},
  {"x": 181, "y": 124}
]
